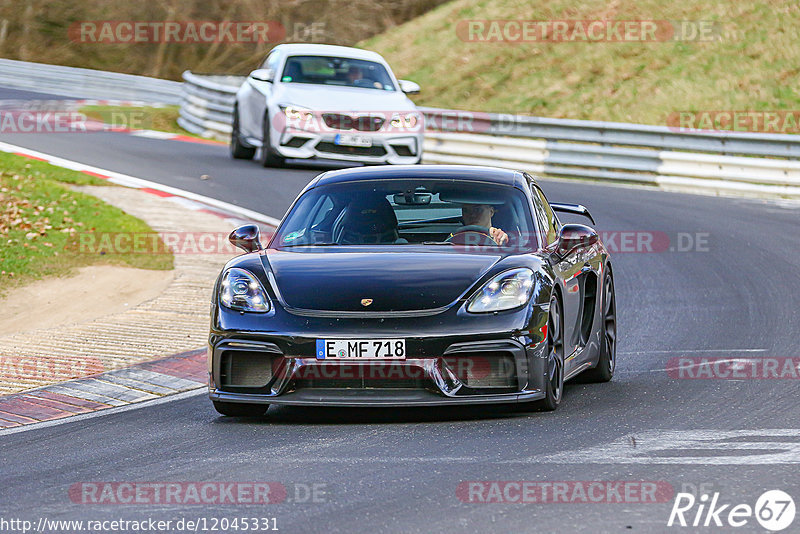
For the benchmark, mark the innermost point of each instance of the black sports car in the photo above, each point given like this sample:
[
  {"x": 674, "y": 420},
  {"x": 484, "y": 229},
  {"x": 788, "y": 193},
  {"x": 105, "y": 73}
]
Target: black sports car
[{"x": 419, "y": 285}]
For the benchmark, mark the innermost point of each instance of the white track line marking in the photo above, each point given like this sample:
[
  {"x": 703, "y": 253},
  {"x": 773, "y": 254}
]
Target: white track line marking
[
  {"x": 685, "y": 367},
  {"x": 689, "y": 351},
  {"x": 139, "y": 183},
  {"x": 696, "y": 447},
  {"x": 765, "y": 447}
]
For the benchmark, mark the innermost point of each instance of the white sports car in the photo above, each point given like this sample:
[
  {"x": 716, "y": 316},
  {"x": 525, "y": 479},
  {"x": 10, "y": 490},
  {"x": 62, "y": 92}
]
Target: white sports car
[{"x": 328, "y": 102}]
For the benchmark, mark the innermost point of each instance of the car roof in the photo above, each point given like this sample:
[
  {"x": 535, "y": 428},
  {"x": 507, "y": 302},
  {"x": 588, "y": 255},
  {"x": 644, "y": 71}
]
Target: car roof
[
  {"x": 437, "y": 172},
  {"x": 310, "y": 49}
]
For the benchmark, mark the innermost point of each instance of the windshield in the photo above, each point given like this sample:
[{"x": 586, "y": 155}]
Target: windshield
[
  {"x": 410, "y": 212},
  {"x": 325, "y": 70}
]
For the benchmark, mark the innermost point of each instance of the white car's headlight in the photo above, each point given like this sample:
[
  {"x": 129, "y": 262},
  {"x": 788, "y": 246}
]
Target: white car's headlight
[
  {"x": 407, "y": 121},
  {"x": 242, "y": 291},
  {"x": 295, "y": 113},
  {"x": 508, "y": 290}
]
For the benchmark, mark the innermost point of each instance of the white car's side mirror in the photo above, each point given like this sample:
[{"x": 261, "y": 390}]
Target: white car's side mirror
[
  {"x": 263, "y": 75},
  {"x": 409, "y": 87}
]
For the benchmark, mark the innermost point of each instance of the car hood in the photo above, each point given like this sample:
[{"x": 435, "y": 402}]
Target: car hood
[
  {"x": 332, "y": 280},
  {"x": 345, "y": 99}
]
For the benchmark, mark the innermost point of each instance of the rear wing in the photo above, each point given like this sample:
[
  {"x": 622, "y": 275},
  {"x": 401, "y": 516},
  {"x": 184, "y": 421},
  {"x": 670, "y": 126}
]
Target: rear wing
[{"x": 576, "y": 209}]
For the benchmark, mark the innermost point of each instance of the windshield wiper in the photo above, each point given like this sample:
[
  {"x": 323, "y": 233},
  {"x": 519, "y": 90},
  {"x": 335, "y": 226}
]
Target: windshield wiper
[
  {"x": 320, "y": 244},
  {"x": 332, "y": 244}
]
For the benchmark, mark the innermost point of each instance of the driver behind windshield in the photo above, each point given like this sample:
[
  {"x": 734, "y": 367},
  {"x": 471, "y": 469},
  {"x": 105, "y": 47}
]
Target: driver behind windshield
[
  {"x": 354, "y": 75},
  {"x": 477, "y": 218}
]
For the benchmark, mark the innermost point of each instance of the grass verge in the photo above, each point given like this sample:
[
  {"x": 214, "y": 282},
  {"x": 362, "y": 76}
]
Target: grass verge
[
  {"x": 163, "y": 119},
  {"x": 43, "y": 218}
]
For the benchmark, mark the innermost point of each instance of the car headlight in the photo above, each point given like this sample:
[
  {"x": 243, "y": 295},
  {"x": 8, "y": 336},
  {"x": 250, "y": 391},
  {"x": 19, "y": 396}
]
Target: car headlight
[
  {"x": 407, "y": 122},
  {"x": 295, "y": 113},
  {"x": 507, "y": 290},
  {"x": 242, "y": 291}
]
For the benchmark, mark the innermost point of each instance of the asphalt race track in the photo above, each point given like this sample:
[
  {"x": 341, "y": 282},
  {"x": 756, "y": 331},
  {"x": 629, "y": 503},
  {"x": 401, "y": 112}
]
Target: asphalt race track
[{"x": 734, "y": 296}]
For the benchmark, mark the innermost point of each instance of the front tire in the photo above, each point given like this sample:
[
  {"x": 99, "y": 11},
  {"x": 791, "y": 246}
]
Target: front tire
[
  {"x": 268, "y": 157},
  {"x": 238, "y": 409},
  {"x": 238, "y": 150},
  {"x": 554, "y": 386},
  {"x": 608, "y": 336}
]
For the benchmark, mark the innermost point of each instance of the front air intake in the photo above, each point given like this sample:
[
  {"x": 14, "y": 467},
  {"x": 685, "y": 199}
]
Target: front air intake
[
  {"x": 241, "y": 368},
  {"x": 489, "y": 369}
]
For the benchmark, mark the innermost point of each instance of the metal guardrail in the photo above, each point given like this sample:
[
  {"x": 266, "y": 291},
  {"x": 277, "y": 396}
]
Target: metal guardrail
[
  {"x": 675, "y": 170},
  {"x": 719, "y": 162},
  {"x": 87, "y": 83},
  {"x": 616, "y": 133},
  {"x": 207, "y": 104}
]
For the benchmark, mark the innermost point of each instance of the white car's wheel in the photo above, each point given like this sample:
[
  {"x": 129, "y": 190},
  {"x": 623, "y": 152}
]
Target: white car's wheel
[
  {"x": 238, "y": 150},
  {"x": 268, "y": 157}
]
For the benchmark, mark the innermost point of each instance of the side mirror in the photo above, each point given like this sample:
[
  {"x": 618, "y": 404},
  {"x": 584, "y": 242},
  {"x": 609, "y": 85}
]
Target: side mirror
[
  {"x": 246, "y": 237},
  {"x": 572, "y": 236},
  {"x": 409, "y": 87},
  {"x": 263, "y": 75}
]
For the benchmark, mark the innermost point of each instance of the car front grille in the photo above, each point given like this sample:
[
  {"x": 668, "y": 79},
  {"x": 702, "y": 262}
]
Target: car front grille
[
  {"x": 363, "y": 123},
  {"x": 374, "y": 376},
  {"x": 331, "y": 148}
]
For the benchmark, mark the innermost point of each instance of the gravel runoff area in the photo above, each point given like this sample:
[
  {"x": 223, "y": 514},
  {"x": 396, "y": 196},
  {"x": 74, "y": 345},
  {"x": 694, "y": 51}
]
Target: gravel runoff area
[{"x": 173, "y": 322}]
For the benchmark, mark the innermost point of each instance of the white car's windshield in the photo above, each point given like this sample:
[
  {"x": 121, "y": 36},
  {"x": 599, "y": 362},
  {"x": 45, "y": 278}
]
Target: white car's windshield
[{"x": 326, "y": 70}]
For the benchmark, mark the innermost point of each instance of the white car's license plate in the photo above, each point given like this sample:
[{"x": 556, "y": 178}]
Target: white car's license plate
[
  {"x": 352, "y": 140},
  {"x": 361, "y": 349}
]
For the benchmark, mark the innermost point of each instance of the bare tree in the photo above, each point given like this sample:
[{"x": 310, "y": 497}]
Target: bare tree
[{"x": 44, "y": 30}]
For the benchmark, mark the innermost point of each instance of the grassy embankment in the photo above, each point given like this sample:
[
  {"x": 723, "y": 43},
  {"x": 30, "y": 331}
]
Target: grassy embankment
[
  {"x": 43, "y": 218},
  {"x": 753, "y": 64}
]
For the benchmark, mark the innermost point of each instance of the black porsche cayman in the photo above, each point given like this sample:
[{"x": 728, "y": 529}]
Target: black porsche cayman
[{"x": 421, "y": 285}]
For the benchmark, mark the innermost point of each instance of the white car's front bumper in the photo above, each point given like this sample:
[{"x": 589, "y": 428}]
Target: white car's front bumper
[{"x": 395, "y": 149}]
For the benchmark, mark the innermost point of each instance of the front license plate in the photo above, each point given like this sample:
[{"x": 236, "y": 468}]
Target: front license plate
[
  {"x": 361, "y": 349},
  {"x": 352, "y": 140}
]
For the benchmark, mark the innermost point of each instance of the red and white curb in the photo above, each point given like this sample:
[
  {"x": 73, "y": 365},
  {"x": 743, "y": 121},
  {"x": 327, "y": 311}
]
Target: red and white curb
[
  {"x": 186, "y": 198},
  {"x": 155, "y": 134},
  {"x": 73, "y": 103},
  {"x": 152, "y": 381},
  {"x": 80, "y": 123},
  {"x": 147, "y": 381},
  {"x": 118, "y": 103}
]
